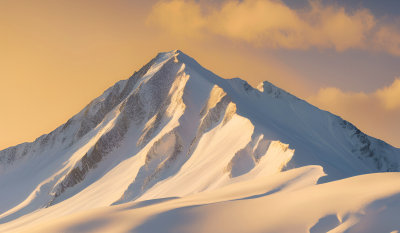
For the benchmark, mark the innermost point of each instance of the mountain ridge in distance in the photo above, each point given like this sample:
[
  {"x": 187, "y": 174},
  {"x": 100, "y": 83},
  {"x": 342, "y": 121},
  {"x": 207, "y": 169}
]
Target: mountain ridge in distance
[{"x": 175, "y": 129}]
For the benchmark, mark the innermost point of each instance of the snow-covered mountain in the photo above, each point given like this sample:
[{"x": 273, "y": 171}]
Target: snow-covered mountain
[{"x": 175, "y": 135}]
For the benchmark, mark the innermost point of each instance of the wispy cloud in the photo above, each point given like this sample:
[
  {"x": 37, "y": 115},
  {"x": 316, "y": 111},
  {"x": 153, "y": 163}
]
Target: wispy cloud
[{"x": 273, "y": 24}]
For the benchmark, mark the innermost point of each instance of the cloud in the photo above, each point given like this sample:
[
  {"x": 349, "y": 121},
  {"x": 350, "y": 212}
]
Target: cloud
[
  {"x": 341, "y": 101},
  {"x": 272, "y": 24},
  {"x": 386, "y": 98},
  {"x": 179, "y": 17},
  {"x": 390, "y": 96},
  {"x": 377, "y": 113}
]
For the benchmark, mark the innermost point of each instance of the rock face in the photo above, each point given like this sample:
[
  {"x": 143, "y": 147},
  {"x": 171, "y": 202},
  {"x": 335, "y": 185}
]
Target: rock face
[{"x": 174, "y": 123}]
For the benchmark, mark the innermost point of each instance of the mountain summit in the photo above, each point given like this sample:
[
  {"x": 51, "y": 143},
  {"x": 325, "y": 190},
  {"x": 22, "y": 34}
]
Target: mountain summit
[{"x": 174, "y": 130}]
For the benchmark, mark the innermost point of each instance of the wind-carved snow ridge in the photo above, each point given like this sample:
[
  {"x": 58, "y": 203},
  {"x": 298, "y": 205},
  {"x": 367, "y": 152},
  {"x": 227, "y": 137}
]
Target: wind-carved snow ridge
[
  {"x": 176, "y": 131},
  {"x": 260, "y": 155},
  {"x": 219, "y": 107},
  {"x": 182, "y": 140}
]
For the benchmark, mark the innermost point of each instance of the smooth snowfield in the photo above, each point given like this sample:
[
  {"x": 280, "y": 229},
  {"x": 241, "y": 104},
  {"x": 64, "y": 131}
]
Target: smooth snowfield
[
  {"x": 175, "y": 148},
  {"x": 286, "y": 202}
]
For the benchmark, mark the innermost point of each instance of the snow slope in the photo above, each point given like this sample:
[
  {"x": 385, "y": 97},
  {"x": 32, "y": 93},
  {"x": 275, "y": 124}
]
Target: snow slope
[
  {"x": 175, "y": 142},
  {"x": 284, "y": 202}
]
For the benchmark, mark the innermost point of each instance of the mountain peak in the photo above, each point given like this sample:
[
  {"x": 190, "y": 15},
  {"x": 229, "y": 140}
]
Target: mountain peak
[
  {"x": 163, "y": 56},
  {"x": 175, "y": 128},
  {"x": 167, "y": 55}
]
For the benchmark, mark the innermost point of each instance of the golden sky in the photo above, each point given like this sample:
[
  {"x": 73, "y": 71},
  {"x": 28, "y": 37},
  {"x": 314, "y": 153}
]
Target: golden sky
[{"x": 58, "y": 55}]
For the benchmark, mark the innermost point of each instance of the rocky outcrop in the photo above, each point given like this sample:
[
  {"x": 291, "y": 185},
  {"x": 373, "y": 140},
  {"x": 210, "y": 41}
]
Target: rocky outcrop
[{"x": 370, "y": 150}]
